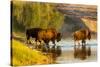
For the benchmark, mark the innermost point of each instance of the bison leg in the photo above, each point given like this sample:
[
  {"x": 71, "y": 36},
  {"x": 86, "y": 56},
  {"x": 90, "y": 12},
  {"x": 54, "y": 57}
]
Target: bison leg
[
  {"x": 47, "y": 44},
  {"x": 53, "y": 41},
  {"x": 83, "y": 42},
  {"x": 28, "y": 39},
  {"x": 75, "y": 43},
  {"x": 48, "y": 48},
  {"x": 36, "y": 46},
  {"x": 40, "y": 43},
  {"x": 78, "y": 44}
]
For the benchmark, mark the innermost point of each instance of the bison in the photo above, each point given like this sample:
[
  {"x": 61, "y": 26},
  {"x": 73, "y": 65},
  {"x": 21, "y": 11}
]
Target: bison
[
  {"x": 45, "y": 35},
  {"x": 33, "y": 32},
  {"x": 81, "y": 34},
  {"x": 48, "y": 35}
]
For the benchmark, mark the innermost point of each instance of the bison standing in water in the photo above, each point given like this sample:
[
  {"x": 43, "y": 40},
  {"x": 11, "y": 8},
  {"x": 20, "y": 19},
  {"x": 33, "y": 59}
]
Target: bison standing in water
[
  {"x": 45, "y": 35},
  {"x": 82, "y": 34},
  {"x": 48, "y": 35}
]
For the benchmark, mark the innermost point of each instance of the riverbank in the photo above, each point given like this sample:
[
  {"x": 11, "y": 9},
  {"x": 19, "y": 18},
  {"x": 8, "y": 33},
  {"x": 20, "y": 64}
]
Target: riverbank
[{"x": 23, "y": 55}]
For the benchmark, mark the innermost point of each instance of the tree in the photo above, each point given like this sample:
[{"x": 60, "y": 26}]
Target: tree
[{"x": 36, "y": 14}]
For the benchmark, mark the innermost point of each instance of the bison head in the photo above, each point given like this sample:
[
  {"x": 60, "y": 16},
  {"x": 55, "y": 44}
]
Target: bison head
[
  {"x": 58, "y": 37},
  {"x": 89, "y": 35}
]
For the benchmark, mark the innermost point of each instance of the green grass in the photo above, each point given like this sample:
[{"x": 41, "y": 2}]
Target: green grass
[{"x": 22, "y": 55}]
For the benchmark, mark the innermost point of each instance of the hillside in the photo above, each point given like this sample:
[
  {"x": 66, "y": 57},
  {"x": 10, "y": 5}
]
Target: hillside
[
  {"x": 78, "y": 16},
  {"x": 90, "y": 23},
  {"x": 78, "y": 10}
]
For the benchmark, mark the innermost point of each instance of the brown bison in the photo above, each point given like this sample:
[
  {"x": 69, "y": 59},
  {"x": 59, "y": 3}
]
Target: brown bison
[
  {"x": 45, "y": 35},
  {"x": 82, "y": 35},
  {"x": 48, "y": 35},
  {"x": 33, "y": 32}
]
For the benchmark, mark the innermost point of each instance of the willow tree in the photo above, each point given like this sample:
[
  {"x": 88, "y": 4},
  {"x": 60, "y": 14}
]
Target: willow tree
[{"x": 36, "y": 14}]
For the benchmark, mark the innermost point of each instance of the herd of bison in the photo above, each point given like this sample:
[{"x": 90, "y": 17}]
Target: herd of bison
[{"x": 44, "y": 36}]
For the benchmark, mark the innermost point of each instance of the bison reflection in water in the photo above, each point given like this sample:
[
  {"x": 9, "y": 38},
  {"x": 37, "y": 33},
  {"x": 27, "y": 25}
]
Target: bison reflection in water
[{"x": 45, "y": 35}]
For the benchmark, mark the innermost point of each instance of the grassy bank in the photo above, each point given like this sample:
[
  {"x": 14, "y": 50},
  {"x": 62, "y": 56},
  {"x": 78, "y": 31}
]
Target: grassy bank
[{"x": 22, "y": 55}]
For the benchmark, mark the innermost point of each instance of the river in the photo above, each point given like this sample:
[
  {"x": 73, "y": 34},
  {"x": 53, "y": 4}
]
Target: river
[{"x": 67, "y": 55}]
